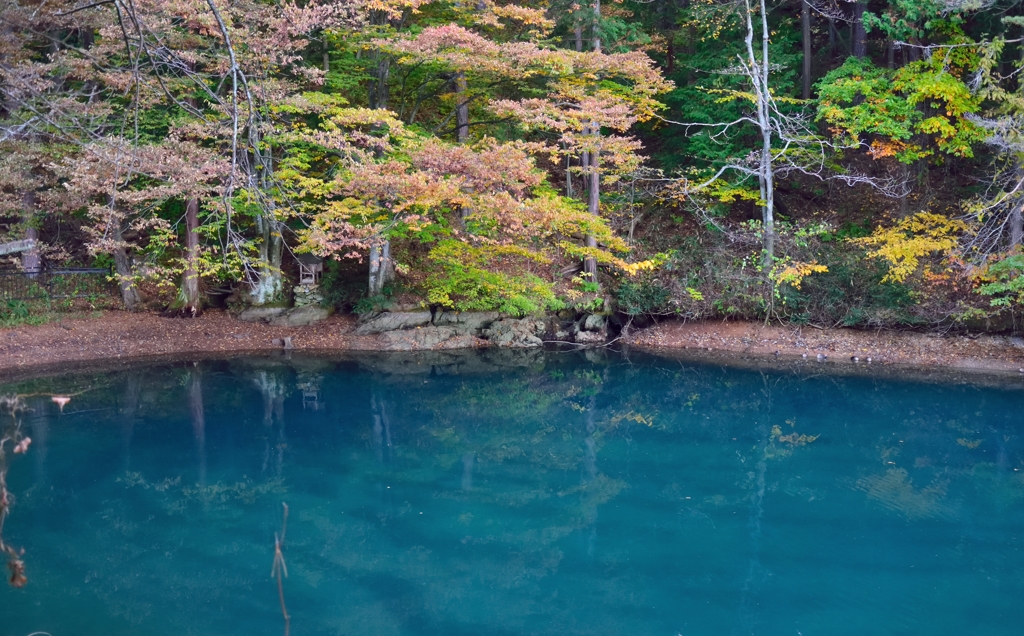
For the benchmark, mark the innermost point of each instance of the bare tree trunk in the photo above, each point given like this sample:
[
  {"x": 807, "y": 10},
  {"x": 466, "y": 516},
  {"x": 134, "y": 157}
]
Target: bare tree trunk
[
  {"x": 860, "y": 36},
  {"x": 461, "y": 107},
  {"x": 578, "y": 32},
  {"x": 890, "y": 53},
  {"x": 190, "y": 277},
  {"x": 1017, "y": 226},
  {"x": 31, "y": 261},
  {"x": 766, "y": 172},
  {"x": 805, "y": 19},
  {"x": 905, "y": 196}
]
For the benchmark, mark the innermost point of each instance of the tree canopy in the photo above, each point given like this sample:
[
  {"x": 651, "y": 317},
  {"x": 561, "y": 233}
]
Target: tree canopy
[{"x": 817, "y": 161}]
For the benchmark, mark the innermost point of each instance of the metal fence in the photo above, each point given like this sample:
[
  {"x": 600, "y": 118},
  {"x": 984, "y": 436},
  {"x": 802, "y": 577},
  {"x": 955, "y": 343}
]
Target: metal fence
[{"x": 55, "y": 283}]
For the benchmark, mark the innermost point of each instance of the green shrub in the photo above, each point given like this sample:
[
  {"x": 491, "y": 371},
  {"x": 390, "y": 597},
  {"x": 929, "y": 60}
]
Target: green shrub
[
  {"x": 1007, "y": 286},
  {"x": 642, "y": 297},
  {"x": 469, "y": 278}
]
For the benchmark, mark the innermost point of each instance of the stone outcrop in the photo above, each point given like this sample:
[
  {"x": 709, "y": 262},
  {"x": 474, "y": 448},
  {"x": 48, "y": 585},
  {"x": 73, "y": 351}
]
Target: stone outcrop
[
  {"x": 301, "y": 316},
  {"x": 444, "y": 330},
  {"x": 515, "y": 332},
  {"x": 284, "y": 317},
  {"x": 466, "y": 321},
  {"x": 595, "y": 322},
  {"x": 429, "y": 337},
  {"x": 590, "y": 337},
  {"x": 261, "y": 314},
  {"x": 393, "y": 321},
  {"x": 592, "y": 330}
]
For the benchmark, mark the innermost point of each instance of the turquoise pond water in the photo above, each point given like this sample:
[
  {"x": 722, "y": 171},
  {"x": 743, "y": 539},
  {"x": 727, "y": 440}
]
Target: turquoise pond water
[{"x": 500, "y": 494}]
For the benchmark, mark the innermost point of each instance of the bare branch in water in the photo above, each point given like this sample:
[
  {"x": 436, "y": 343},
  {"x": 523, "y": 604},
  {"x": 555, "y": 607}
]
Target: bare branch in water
[{"x": 280, "y": 568}]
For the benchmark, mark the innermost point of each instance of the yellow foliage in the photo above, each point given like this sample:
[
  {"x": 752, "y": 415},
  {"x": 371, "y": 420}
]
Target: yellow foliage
[
  {"x": 905, "y": 243},
  {"x": 635, "y": 268},
  {"x": 794, "y": 272}
]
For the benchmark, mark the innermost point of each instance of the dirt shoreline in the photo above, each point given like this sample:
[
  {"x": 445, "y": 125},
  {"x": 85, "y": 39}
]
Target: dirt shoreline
[
  {"x": 114, "y": 336},
  {"x": 973, "y": 352}
]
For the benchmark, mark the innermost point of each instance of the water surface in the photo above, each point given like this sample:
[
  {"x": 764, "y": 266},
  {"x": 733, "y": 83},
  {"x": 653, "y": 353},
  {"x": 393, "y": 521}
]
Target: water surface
[{"x": 507, "y": 494}]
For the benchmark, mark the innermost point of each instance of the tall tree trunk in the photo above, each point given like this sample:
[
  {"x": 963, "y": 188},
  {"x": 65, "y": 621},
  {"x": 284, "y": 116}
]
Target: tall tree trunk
[
  {"x": 269, "y": 285},
  {"x": 805, "y": 20},
  {"x": 591, "y": 163},
  {"x": 568, "y": 175},
  {"x": 913, "y": 54},
  {"x": 191, "y": 304},
  {"x": 860, "y": 36},
  {"x": 578, "y": 33},
  {"x": 31, "y": 261},
  {"x": 190, "y": 278},
  {"x": 382, "y": 270},
  {"x": 593, "y": 205},
  {"x": 461, "y": 107},
  {"x": 379, "y": 83},
  {"x": 123, "y": 270}
]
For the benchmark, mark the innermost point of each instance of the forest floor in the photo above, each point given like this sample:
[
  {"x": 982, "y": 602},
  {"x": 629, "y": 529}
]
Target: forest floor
[{"x": 113, "y": 335}]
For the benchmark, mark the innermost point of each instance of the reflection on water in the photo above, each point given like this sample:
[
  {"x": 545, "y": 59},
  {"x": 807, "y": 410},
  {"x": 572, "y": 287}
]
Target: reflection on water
[{"x": 516, "y": 494}]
